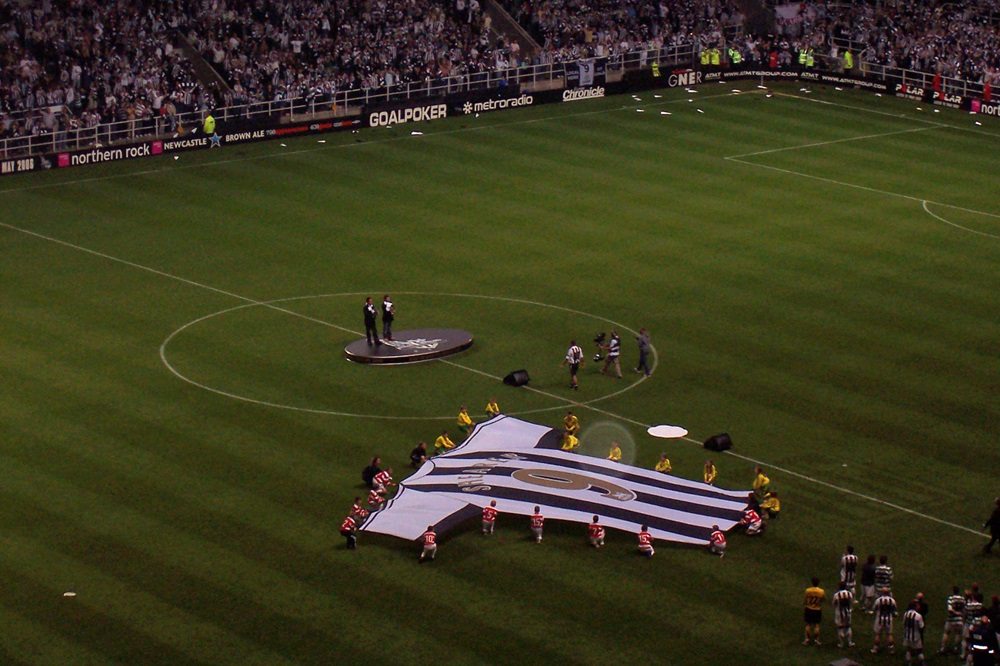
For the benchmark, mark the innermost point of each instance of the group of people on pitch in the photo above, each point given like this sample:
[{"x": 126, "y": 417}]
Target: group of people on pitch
[{"x": 969, "y": 627}]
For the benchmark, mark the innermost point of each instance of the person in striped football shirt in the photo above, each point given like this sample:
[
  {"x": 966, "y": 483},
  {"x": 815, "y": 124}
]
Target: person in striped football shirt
[
  {"x": 885, "y": 611},
  {"x": 358, "y": 512},
  {"x": 537, "y": 522},
  {"x": 490, "y": 517},
  {"x": 595, "y": 533},
  {"x": 849, "y": 570},
  {"x": 375, "y": 498},
  {"x": 883, "y": 574},
  {"x": 753, "y": 522},
  {"x": 383, "y": 478},
  {"x": 717, "y": 542},
  {"x": 843, "y": 600},
  {"x": 347, "y": 529},
  {"x": 645, "y": 542},
  {"x": 954, "y": 622},
  {"x": 574, "y": 358},
  {"x": 614, "y": 349},
  {"x": 429, "y": 539},
  {"x": 913, "y": 634},
  {"x": 973, "y": 611}
]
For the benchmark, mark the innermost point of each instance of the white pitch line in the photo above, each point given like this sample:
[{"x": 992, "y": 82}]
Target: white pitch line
[
  {"x": 957, "y": 226},
  {"x": 898, "y": 116},
  {"x": 864, "y": 188},
  {"x": 834, "y": 141},
  {"x": 853, "y": 493},
  {"x": 588, "y": 406}
]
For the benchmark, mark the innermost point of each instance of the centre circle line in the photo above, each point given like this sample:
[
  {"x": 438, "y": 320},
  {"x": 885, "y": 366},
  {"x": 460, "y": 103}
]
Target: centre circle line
[{"x": 272, "y": 305}]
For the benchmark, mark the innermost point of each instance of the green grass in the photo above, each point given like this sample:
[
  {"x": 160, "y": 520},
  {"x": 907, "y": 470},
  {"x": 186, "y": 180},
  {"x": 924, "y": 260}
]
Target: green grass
[{"x": 778, "y": 248}]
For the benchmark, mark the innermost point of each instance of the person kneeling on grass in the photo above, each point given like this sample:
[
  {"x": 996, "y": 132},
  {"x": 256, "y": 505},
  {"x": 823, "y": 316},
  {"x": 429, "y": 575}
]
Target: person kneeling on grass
[
  {"x": 418, "y": 456},
  {"x": 753, "y": 522},
  {"x": 443, "y": 443},
  {"x": 645, "y": 542},
  {"x": 430, "y": 545},
  {"x": 465, "y": 423},
  {"x": 771, "y": 504},
  {"x": 569, "y": 442},
  {"x": 595, "y": 533},
  {"x": 347, "y": 529},
  {"x": 615, "y": 453},
  {"x": 717, "y": 542}
]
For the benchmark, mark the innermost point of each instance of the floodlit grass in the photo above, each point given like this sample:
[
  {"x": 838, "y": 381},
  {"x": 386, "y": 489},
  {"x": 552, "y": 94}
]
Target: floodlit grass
[{"x": 181, "y": 435}]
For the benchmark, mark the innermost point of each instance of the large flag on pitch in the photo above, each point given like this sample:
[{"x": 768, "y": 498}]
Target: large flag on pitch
[{"x": 520, "y": 465}]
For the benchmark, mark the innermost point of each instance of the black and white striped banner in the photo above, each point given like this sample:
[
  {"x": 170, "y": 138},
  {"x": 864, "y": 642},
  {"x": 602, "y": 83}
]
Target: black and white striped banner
[{"x": 519, "y": 465}]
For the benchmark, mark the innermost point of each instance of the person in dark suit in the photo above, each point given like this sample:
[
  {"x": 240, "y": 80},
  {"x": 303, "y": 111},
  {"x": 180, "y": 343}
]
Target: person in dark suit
[
  {"x": 371, "y": 323},
  {"x": 388, "y": 314}
]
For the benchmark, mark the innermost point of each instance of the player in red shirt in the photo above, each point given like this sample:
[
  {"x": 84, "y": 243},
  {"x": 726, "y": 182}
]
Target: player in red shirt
[
  {"x": 645, "y": 542},
  {"x": 430, "y": 545},
  {"x": 375, "y": 497},
  {"x": 347, "y": 529},
  {"x": 596, "y": 533},
  {"x": 753, "y": 522},
  {"x": 717, "y": 542},
  {"x": 537, "y": 521},
  {"x": 357, "y": 511},
  {"x": 383, "y": 478},
  {"x": 490, "y": 514}
]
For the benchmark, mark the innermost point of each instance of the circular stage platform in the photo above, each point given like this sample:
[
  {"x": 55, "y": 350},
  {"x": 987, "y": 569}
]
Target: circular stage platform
[{"x": 419, "y": 344}]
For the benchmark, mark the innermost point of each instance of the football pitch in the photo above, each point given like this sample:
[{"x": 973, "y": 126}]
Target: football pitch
[{"x": 181, "y": 435}]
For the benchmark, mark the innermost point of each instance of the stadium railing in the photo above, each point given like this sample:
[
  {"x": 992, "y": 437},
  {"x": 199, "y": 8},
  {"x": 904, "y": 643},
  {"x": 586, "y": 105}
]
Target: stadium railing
[{"x": 341, "y": 102}]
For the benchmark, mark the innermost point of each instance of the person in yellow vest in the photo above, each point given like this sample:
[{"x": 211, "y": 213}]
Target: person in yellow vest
[
  {"x": 761, "y": 484},
  {"x": 615, "y": 453},
  {"x": 705, "y": 57},
  {"x": 465, "y": 423},
  {"x": 492, "y": 408},
  {"x": 771, "y": 504},
  {"x": 848, "y": 62},
  {"x": 802, "y": 57},
  {"x": 443, "y": 443},
  {"x": 571, "y": 424},
  {"x": 810, "y": 58},
  {"x": 735, "y": 58},
  {"x": 209, "y": 125},
  {"x": 569, "y": 442},
  {"x": 656, "y": 69},
  {"x": 663, "y": 465},
  {"x": 716, "y": 56},
  {"x": 710, "y": 473}
]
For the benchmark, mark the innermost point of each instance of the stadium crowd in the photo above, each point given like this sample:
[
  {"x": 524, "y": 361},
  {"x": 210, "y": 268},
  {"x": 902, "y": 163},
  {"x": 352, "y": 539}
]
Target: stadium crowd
[
  {"x": 284, "y": 49},
  {"x": 573, "y": 29},
  {"x": 78, "y": 63},
  {"x": 954, "y": 39},
  {"x": 81, "y": 63}
]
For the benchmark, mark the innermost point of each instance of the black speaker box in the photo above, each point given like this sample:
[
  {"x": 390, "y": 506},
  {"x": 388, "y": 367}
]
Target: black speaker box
[
  {"x": 720, "y": 442},
  {"x": 516, "y": 378}
]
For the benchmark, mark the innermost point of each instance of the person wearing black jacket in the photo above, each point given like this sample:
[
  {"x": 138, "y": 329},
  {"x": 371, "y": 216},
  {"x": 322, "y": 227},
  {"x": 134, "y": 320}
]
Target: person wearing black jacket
[
  {"x": 371, "y": 323},
  {"x": 368, "y": 473},
  {"x": 994, "y": 524},
  {"x": 388, "y": 314},
  {"x": 868, "y": 585}
]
